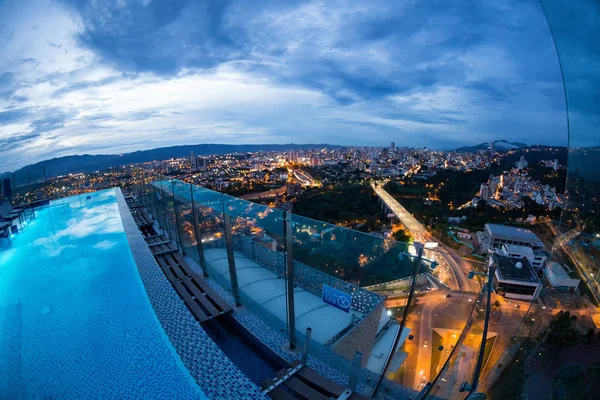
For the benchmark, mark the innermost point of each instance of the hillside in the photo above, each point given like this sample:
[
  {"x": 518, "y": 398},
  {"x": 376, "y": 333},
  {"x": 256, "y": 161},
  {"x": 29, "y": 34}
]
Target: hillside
[
  {"x": 88, "y": 163},
  {"x": 500, "y": 145}
]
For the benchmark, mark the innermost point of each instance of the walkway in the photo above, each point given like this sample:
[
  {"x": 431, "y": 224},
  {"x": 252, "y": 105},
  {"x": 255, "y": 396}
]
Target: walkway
[{"x": 265, "y": 289}]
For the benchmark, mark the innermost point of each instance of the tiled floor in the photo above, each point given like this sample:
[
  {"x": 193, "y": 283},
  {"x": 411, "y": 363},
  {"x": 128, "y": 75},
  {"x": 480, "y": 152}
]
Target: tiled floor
[
  {"x": 278, "y": 342},
  {"x": 264, "y": 288}
]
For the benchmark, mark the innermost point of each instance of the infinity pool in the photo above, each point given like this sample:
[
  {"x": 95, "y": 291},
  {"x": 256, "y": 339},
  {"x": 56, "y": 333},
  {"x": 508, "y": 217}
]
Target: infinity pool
[{"x": 75, "y": 320}]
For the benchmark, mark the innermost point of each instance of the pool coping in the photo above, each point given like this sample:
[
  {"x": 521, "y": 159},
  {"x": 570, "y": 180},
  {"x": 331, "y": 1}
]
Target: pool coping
[{"x": 212, "y": 370}]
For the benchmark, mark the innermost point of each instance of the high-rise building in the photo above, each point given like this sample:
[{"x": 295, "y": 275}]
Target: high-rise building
[
  {"x": 193, "y": 161},
  {"x": 522, "y": 163},
  {"x": 494, "y": 184},
  {"x": 484, "y": 191},
  {"x": 293, "y": 156}
]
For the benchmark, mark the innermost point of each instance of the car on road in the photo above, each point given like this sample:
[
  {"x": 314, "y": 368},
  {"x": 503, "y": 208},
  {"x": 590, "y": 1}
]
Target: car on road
[
  {"x": 448, "y": 295},
  {"x": 425, "y": 344}
]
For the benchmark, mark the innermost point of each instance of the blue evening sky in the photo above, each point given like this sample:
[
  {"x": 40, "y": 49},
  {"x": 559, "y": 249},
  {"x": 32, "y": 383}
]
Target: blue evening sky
[{"x": 110, "y": 76}]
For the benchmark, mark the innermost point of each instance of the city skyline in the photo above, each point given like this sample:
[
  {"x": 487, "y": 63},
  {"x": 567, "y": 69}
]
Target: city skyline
[{"x": 138, "y": 75}]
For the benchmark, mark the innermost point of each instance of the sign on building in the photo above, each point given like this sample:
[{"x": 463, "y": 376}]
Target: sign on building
[{"x": 337, "y": 298}]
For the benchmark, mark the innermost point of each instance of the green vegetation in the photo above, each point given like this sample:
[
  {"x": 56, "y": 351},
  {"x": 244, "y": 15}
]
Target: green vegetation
[
  {"x": 349, "y": 255},
  {"x": 239, "y": 188},
  {"x": 436, "y": 199},
  {"x": 511, "y": 382},
  {"x": 402, "y": 236},
  {"x": 349, "y": 204},
  {"x": 562, "y": 330}
]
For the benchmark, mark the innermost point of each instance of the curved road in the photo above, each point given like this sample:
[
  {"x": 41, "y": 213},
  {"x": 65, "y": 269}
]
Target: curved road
[{"x": 459, "y": 267}]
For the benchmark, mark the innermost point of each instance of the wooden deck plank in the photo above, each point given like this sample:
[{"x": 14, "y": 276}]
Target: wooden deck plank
[
  {"x": 204, "y": 298},
  {"x": 282, "y": 372},
  {"x": 162, "y": 249},
  {"x": 280, "y": 393},
  {"x": 356, "y": 396},
  {"x": 183, "y": 293},
  {"x": 189, "y": 282},
  {"x": 325, "y": 386},
  {"x": 203, "y": 285},
  {"x": 303, "y": 389}
]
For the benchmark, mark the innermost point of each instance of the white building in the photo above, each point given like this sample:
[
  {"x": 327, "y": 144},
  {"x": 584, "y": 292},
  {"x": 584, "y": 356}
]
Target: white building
[
  {"x": 494, "y": 236},
  {"x": 522, "y": 163},
  {"x": 484, "y": 191},
  {"x": 515, "y": 279},
  {"x": 537, "y": 259},
  {"x": 559, "y": 278}
]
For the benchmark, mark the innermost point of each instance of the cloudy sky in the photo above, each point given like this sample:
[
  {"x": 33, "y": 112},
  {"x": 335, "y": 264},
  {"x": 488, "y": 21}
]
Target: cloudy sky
[{"x": 110, "y": 76}]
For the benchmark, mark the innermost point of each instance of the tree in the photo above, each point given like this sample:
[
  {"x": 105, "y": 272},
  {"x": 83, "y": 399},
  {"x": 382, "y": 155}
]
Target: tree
[
  {"x": 562, "y": 329},
  {"x": 401, "y": 236}
]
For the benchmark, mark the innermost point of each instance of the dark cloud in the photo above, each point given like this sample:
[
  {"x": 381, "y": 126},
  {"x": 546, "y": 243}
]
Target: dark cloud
[{"x": 439, "y": 73}]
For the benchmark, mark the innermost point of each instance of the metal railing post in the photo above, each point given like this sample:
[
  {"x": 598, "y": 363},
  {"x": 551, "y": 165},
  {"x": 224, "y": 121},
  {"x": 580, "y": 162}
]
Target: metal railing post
[
  {"x": 353, "y": 379},
  {"x": 165, "y": 228},
  {"x": 306, "y": 345},
  {"x": 177, "y": 222},
  {"x": 199, "y": 247},
  {"x": 231, "y": 258},
  {"x": 290, "y": 278}
]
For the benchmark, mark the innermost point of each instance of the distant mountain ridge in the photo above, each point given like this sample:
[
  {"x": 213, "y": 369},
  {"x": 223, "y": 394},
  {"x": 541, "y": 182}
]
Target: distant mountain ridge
[
  {"x": 88, "y": 163},
  {"x": 498, "y": 144}
]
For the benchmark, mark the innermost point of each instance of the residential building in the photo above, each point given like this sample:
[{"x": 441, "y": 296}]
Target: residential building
[{"x": 515, "y": 279}]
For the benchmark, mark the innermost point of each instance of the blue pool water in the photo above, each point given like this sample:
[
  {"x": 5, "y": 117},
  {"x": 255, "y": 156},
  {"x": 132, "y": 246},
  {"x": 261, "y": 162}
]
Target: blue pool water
[{"x": 75, "y": 320}]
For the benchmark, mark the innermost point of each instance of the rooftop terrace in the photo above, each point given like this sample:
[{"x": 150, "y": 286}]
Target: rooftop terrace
[{"x": 515, "y": 269}]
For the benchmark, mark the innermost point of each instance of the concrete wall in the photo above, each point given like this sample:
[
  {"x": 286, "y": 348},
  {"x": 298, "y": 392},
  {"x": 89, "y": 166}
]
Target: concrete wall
[{"x": 361, "y": 337}]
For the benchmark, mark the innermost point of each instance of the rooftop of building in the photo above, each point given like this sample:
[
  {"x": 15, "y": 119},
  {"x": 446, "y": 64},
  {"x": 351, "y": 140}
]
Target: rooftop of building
[
  {"x": 557, "y": 271},
  {"x": 508, "y": 269},
  {"x": 513, "y": 248},
  {"x": 511, "y": 232}
]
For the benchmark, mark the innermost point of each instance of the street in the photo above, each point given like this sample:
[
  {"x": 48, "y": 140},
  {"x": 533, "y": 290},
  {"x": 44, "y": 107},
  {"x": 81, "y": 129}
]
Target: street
[{"x": 447, "y": 257}]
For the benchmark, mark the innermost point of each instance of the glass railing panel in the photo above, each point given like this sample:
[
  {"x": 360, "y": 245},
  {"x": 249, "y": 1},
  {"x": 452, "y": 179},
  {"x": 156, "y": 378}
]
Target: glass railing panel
[
  {"x": 165, "y": 206},
  {"x": 459, "y": 354},
  {"x": 332, "y": 260},
  {"x": 28, "y": 184},
  {"x": 404, "y": 345},
  {"x": 352, "y": 256},
  {"x": 512, "y": 342},
  {"x": 435, "y": 319},
  {"x": 258, "y": 241},
  {"x": 157, "y": 204},
  {"x": 146, "y": 193},
  {"x": 171, "y": 216},
  {"x": 154, "y": 198},
  {"x": 210, "y": 228},
  {"x": 185, "y": 215}
]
